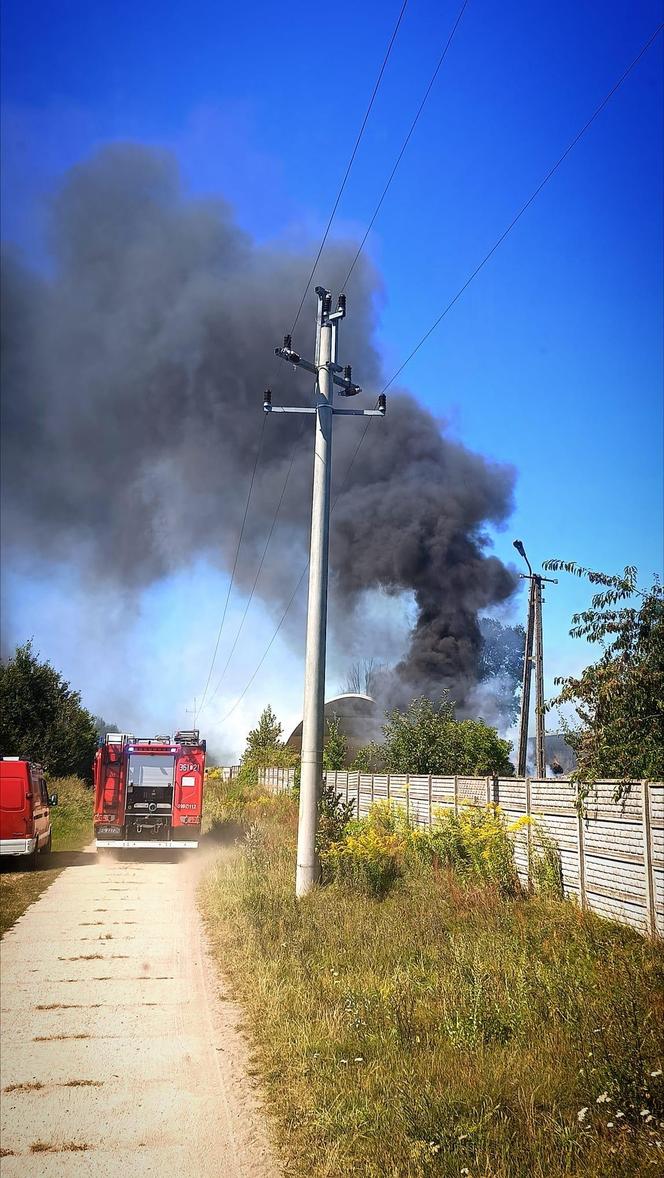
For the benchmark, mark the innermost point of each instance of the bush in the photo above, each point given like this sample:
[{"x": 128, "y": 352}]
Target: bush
[
  {"x": 374, "y": 851},
  {"x": 476, "y": 844},
  {"x": 240, "y": 800},
  {"x": 334, "y": 816},
  {"x": 545, "y": 866},
  {"x": 369, "y": 860}
]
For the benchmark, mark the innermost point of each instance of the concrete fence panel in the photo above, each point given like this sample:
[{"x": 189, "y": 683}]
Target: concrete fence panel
[{"x": 611, "y": 843}]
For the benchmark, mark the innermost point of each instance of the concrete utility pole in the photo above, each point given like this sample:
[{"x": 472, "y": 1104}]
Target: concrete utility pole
[
  {"x": 328, "y": 374},
  {"x": 533, "y": 637}
]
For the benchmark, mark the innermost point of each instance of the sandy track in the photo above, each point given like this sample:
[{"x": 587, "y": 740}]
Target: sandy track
[{"x": 115, "y": 1038}]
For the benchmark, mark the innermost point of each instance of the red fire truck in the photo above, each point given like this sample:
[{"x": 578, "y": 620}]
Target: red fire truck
[{"x": 149, "y": 793}]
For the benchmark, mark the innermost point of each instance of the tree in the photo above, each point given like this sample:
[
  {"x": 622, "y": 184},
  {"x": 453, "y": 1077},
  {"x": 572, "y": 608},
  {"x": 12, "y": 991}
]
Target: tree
[
  {"x": 361, "y": 678},
  {"x": 266, "y": 735},
  {"x": 336, "y": 745},
  {"x": 619, "y": 699},
  {"x": 41, "y": 717},
  {"x": 427, "y": 738},
  {"x": 265, "y": 748},
  {"x": 369, "y": 759},
  {"x": 102, "y": 728}
]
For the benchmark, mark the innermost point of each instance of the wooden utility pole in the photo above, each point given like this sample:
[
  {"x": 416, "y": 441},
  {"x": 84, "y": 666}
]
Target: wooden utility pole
[{"x": 534, "y": 653}]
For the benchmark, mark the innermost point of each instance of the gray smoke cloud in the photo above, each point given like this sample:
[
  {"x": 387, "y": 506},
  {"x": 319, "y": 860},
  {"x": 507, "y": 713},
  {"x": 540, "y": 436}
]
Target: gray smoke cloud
[{"x": 133, "y": 375}]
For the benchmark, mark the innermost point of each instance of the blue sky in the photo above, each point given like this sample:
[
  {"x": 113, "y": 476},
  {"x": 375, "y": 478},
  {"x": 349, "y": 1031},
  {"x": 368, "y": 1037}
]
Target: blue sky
[{"x": 552, "y": 360}]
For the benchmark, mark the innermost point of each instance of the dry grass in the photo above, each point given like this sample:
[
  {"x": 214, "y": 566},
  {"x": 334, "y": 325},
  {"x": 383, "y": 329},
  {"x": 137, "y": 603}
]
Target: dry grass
[
  {"x": 57, "y": 1038},
  {"x": 84, "y": 957},
  {"x": 59, "y": 1147},
  {"x": 72, "y": 830},
  {"x": 442, "y": 1030},
  {"x": 68, "y": 1006}
]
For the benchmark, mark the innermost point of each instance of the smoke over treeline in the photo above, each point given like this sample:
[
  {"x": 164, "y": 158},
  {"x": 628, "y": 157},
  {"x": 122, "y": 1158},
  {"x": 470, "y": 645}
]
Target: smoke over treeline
[{"x": 132, "y": 389}]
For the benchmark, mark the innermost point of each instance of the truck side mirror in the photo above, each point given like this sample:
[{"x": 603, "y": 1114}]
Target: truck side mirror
[{"x": 52, "y": 799}]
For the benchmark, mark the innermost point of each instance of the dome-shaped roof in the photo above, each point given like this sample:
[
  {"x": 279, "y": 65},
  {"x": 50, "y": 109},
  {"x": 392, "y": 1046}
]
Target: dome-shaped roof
[{"x": 358, "y": 717}]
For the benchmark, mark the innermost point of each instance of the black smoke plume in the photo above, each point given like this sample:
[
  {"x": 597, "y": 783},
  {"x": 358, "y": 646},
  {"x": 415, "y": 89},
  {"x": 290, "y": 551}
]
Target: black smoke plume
[{"x": 133, "y": 375}]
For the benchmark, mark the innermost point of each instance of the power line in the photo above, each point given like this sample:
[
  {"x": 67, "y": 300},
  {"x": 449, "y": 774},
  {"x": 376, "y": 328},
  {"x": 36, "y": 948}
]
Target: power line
[
  {"x": 269, "y": 645},
  {"x": 527, "y": 205},
  {"x": 301, "y": 577},
  {"x": 449, "y": 306},
  {"x": 406, "y": 142},
  {"x": 237, "y": 553},
  {"x": 258, "y": 573},
  {"x": 350, "y": 164}
]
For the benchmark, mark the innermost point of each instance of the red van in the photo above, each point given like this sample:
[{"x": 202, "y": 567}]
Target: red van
[{"x": 25, "y": 816}]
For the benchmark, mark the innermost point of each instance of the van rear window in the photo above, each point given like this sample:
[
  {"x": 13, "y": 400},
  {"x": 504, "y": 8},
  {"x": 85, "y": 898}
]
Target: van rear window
[{"x": 12, "y": 792}]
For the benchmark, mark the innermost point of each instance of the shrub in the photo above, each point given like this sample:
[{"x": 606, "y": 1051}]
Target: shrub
[
  {"x": 475, "y": 843},
  {"x": 334, "y": 816},
  {"x": 241, "y": 800},
  {"x": 545, "y": 866},
  {"x": 367, "y": 859},
  {"x": 372, "y": 853}
]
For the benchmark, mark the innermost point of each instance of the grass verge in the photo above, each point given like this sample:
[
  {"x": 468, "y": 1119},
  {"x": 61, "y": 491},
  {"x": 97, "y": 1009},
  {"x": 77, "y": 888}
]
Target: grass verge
[
  {"x": 72, "y": 829},
  {"x": 443, "y": 1029}
]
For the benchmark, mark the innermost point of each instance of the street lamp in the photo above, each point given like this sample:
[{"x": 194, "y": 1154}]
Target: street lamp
[{"x": 518, "y": 544}]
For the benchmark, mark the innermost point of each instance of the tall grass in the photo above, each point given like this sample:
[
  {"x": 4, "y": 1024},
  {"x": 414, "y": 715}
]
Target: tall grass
[
  {"x": 72, "y": 817},
  {"x": 447, "y": 1028}
]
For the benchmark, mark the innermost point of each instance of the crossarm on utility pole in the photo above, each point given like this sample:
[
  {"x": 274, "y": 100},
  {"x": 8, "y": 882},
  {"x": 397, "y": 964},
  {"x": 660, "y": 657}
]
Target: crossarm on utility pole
[{"x": 350, "y": 389}]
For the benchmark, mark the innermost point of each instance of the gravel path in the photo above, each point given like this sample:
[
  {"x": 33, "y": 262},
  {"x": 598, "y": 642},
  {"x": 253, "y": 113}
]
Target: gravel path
[{"x": 119, "y": 1054}]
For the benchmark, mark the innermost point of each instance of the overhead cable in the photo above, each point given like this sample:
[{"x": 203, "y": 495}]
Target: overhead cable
[
  {"x": 230, "y": 583},
  {"x": 449, "y": 306},
  {"x": 258, "y": 573},
  {"x": 598, "y": 110},
  {"x": 406, "y": 142},
  {"x": 300, "y": 579},
  {"x": 349, "y": 165}
]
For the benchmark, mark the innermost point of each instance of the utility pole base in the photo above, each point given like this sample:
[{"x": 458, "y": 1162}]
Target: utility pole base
[{"x": 306, "y": 878}]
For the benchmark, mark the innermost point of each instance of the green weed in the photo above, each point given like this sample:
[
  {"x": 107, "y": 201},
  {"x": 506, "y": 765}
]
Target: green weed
[{"x": 444, "y": 1024}]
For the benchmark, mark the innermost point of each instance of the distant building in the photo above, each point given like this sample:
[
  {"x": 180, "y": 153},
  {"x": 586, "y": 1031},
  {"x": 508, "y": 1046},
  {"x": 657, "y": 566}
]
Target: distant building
[
  {"x": 555, "y": 747},
  {"x": 358, "y": 717}
]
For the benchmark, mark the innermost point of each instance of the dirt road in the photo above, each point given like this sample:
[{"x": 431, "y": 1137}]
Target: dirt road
[{"x": 119, "y": 1056}]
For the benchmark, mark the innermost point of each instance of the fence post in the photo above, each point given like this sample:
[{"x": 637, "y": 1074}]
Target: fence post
[
  {"x": 456, "y": 794},
  {"x": 651, "y": 916},
  {"x": 529, "y": 833},
  {"x": 582, "y": 852},
  {"x": 388, "y": 787},
  {"x": 488, "y": 791},
  {"x": 408, "y": 799},
  {"x": 430, "y": 803},
  {"x": 373, "y": 789}
]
